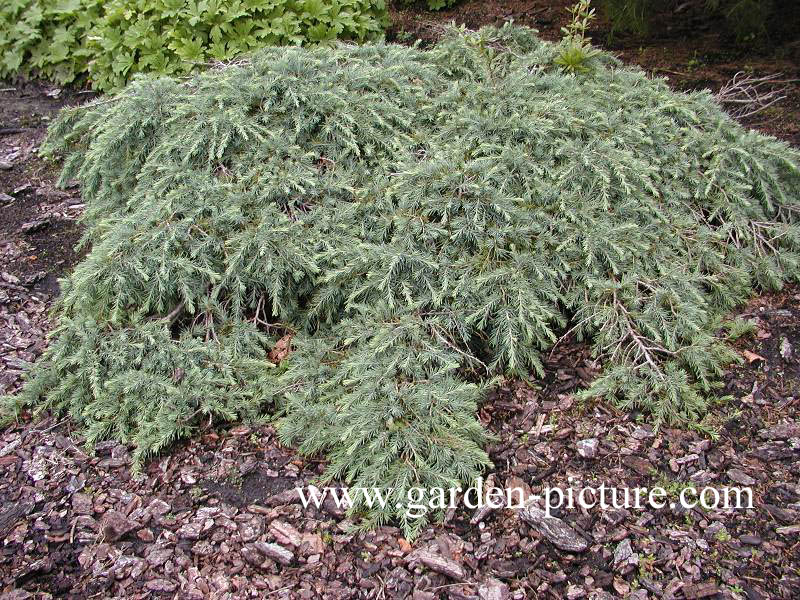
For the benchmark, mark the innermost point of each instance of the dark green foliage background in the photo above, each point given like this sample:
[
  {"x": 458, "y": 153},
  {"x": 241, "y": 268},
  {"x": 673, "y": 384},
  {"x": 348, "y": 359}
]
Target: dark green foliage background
[
  {"x": 423, "y": 221},
  {"x": 112, "y": 40},
  {"x": 434, "y": 4},
  {"x": 747, "y": 20}
]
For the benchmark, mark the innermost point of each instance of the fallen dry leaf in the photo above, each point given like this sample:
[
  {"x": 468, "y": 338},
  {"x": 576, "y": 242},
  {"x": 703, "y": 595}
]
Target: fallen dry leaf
[
  {"x": 281, "y": 349},
  {"x": 752, "y": 356}
]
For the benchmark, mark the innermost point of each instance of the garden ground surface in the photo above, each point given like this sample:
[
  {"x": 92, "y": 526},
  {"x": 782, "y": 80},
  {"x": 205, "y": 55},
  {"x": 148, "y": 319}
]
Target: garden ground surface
[{"x": 194, "y": 524}]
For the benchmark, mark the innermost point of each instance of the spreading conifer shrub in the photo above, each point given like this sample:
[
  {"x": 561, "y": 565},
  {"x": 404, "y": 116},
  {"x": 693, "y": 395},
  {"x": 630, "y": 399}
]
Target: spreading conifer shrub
[
  {"x": 112, "y": 40},
  {"x": 420, "y": 221}
]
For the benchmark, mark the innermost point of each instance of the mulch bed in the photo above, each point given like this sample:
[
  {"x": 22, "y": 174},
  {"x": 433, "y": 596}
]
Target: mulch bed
[{"x": 218, "y": 517}]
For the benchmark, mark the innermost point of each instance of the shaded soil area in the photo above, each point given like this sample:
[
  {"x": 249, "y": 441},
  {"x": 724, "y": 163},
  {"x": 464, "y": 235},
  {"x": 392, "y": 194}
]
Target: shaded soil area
[
  {"x": 38, "y": 231},
  {"x": 220, "y": 516},
  {"x": 38, "y": 225}
]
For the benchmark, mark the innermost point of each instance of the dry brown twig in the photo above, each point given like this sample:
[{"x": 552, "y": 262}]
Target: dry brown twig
[{"x": 747, "y": 95}]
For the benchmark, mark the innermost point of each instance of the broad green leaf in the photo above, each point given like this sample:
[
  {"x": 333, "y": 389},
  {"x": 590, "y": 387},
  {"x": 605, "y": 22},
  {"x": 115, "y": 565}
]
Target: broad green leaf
[{"x": 122, "y": 62}]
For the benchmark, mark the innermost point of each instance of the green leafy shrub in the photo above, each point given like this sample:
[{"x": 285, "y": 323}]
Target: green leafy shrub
[
  {"x": 421, "y": 221},
  {"x": 47, "y": 37},
  {"x": 63, "y": 39},
  {"x": 174, "y": 36}
]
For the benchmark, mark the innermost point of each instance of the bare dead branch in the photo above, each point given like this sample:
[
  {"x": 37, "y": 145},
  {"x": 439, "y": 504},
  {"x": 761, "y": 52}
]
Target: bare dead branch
[{"x": 747, "y": 95}]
